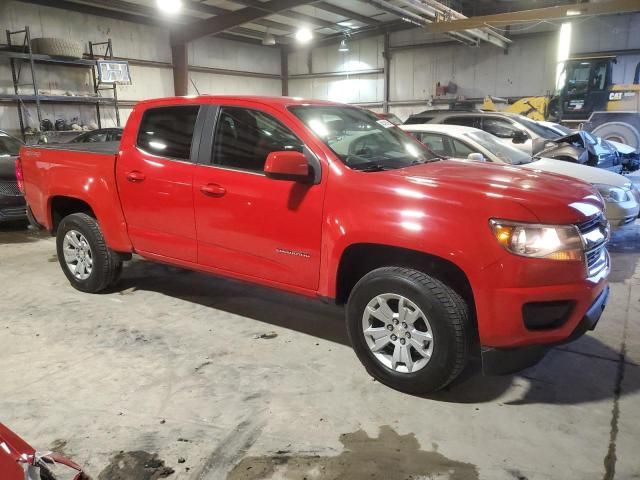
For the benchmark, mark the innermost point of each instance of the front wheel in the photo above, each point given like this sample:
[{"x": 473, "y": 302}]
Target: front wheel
[
  {"x": 89, "y": 265},
  {"x": 411, "y": 331}
]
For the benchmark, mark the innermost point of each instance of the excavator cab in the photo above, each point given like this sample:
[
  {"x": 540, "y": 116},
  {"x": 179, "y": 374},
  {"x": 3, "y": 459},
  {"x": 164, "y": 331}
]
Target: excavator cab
[{"x": 583, "y": 87}]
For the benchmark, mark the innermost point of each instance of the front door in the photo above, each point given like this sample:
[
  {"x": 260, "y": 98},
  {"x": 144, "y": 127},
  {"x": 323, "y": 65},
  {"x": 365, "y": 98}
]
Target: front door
[
  {"x": 249, "y": 224},
  {"x": 155, "y": 183}
]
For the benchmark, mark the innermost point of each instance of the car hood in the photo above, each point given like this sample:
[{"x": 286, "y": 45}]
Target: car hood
[
  {"x": 551, "y": 198},
  {"x": 580, "y": 172},
  {"x": 8, "y": 168}
]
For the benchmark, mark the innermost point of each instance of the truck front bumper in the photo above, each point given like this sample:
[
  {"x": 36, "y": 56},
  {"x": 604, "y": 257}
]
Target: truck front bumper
[{"x": 504, "y": 361}]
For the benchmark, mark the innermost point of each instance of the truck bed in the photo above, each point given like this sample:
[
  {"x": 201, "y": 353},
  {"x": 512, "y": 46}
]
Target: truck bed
[{"x": 107, "y": 148}]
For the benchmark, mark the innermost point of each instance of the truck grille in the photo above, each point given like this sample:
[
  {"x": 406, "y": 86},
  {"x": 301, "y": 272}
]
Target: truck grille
[
  {"x": 10, "y": 189},
  {"x": 595, "y": 235}
]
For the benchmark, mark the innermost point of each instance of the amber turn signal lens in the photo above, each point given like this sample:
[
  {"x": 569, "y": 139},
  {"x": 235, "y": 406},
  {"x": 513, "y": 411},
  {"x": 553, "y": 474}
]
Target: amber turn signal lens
[{"x": 503, "y": 234}]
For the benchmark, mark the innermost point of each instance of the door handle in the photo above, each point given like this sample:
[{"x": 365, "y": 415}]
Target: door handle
[
  {"x": 136, "y": 176},
  {"x": 213, "y": 190}
]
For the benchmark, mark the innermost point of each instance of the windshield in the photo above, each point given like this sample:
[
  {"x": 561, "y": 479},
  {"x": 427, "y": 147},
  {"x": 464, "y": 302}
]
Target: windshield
[
  {"x": 503, "y": 151},
  {"x": 9, "y": 146},
  {"x": 361, "y": 140},
  {"x": 540, "y": 130}
]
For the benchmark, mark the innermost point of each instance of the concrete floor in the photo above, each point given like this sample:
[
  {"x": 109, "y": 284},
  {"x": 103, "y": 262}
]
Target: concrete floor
[{"x": 216, "y": 379}]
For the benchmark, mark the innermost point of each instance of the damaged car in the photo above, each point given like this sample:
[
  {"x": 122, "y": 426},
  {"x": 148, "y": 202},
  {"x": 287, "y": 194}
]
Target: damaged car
[
  {"x": 629, "y": 157},
  {"x": 582, "y": 147},
  {"x": 20, "y": 461}
]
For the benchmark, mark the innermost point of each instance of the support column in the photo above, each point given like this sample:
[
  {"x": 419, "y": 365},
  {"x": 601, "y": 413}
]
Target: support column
[
  {"x": 179, "y": 58},
  {"x": 284, "y": 70},
  {"x": 386, "y": 54}
]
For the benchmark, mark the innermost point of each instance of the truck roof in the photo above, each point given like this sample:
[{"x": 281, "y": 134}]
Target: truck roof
[{"x": 276, "y": 101}]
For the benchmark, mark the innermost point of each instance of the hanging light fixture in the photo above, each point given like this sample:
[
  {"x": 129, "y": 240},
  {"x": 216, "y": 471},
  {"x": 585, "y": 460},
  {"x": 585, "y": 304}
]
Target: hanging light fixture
[
  {"x": 269, "y": 39},
  {"x": 171, "y": 7},
  {"x": 304, "y": 35},
  {"x": 343, "y": 46}
]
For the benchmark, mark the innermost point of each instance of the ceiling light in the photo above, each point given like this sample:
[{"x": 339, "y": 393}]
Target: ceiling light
[
  {"x": 343, "y": 46},
  {"x": 304, "y": 35},
  {"x": 268, "y": 39},
  {"x": 573, "y": 12},
  {"x": 169, "y": 6}
]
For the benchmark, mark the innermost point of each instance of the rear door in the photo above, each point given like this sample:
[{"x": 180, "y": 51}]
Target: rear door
[
  {"x": 155, "y": 182},
  {"x": 247, "y": 223}
]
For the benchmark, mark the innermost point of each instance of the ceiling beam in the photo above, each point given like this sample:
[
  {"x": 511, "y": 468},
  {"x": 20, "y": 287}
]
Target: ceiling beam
[
  {"x": 227, "y": 21},
  {"x": 147, "y": 18},
  {"x": 579, "y": 10},
  {"x": 213, "y": 10},
  {"x": 301, "y": 17},
  {"x": 362, "y": 33},
  {"x": 343, "y": 12}
]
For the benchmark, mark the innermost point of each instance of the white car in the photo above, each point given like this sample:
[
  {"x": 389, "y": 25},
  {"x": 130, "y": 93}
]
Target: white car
[{"x": 621, "y": 196}]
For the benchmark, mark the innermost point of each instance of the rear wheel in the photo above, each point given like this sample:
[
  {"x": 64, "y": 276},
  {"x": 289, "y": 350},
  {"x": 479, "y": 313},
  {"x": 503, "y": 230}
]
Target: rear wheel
[
  {"x": 411, "y": 331},
  {"x": 89, "y": 265}
]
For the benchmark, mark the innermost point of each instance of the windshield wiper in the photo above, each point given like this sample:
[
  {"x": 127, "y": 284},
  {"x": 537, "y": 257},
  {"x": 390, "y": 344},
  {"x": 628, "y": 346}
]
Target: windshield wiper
[{"x": 372, "y": 167}]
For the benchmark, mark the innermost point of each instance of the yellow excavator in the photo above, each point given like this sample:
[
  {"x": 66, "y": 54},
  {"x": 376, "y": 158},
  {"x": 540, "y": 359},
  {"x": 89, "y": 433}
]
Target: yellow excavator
[{"x": 586, "y": 98}]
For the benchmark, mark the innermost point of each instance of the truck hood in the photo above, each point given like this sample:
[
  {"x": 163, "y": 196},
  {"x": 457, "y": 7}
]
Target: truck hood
[
  {"x": 8, "y": 168},
  {"x": 551, "y": 198},
  {"x": 581, "y": 172}
]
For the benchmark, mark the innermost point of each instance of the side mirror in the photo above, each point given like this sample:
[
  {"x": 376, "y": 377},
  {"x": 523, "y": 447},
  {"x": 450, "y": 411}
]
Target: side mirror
[
  {"x": 478, "y": 157},
  {"x": 520, "y": 137},
  {"x": 287, "y": 165}
]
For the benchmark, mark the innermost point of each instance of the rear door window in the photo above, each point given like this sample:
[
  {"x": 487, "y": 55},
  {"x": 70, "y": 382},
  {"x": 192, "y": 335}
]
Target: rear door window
[
  {"x": 168, "y": 131},
  {"x": 462, "y": 149}
]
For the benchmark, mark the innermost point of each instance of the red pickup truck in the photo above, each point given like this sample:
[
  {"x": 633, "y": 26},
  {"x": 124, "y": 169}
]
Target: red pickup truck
[{"x": 431, "y": 257}]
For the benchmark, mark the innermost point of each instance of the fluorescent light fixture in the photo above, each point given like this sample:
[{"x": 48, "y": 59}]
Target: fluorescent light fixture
[
  {"x": 268, "y": 39},
  {"x": 304, "y": 35},
  {"x": 343, "y": 46},
  {"x": 564, "y": 47},
  {"x": 169, "y": 6},
  {"x": 573, "y": 12}
]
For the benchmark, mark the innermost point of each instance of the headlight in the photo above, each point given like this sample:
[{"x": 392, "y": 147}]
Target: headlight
[
  {"x": 556, "y": 242},
  {"x": 613, "y": 194}
]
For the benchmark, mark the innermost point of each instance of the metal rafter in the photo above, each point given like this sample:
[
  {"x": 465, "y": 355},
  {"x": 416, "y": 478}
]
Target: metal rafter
[
  {"x": 290, "y": 14},
  {"x": 343, "y": 12},
  {"x": 221, "y": 23},
  {"x": 213, "y": 10},
  {"x": 139, "y": 16}
]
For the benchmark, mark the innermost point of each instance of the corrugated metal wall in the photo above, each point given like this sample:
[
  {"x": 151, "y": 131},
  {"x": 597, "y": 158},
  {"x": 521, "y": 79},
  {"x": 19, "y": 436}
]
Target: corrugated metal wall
[{"x": 527, "y": 69}]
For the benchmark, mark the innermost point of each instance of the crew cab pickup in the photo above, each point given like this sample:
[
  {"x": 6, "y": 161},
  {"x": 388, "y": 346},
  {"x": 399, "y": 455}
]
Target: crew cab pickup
[{"x": 431, "y": 258}]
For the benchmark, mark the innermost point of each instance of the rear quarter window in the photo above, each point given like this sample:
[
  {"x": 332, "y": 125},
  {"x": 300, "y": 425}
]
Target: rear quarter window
[{"x": 168, "y": 131}]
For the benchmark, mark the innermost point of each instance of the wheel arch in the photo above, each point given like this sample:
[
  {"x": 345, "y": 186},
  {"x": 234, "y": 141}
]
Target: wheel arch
[
  {"x": 113, "y": 228},
  {"x": 360, "y": 258},
  {"x": 61, "y": 206}
]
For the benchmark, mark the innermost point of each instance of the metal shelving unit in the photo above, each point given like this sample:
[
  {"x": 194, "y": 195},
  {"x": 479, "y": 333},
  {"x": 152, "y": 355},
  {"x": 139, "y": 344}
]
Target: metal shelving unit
[{"x": 20, "y": 53}]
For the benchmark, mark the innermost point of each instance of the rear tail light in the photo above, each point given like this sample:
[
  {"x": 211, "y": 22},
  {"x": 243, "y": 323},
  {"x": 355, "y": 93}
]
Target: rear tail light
[{"x": 19, "y": 175}]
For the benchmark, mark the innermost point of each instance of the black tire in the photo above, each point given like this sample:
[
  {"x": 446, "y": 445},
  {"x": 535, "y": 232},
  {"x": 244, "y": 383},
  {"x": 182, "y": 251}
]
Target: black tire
[
  {"x": 448, "y": 317},
  {"x": 106, "y": 263}
]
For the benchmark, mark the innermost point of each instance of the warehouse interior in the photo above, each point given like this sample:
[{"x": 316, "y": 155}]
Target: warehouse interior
[{"x": 172, "y": 372}]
